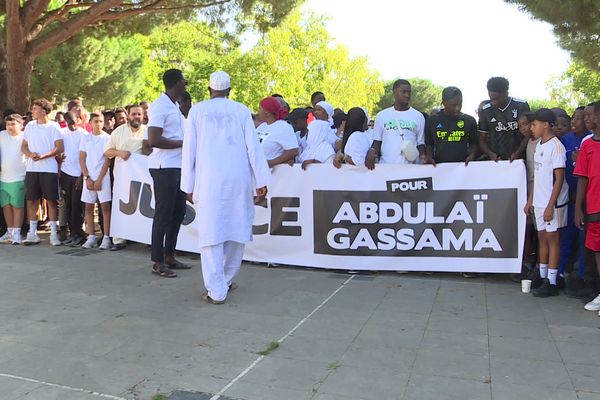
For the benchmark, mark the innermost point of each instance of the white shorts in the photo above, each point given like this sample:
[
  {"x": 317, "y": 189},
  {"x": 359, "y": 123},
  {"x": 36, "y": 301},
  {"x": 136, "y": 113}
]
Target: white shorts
[
  {"x": 103, "y": 195},
  {"x": 559, "y": 219}
]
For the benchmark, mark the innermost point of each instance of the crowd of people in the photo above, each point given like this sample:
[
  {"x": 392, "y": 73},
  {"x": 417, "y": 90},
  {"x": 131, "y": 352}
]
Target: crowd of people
[{"x": 63, "y": 168}]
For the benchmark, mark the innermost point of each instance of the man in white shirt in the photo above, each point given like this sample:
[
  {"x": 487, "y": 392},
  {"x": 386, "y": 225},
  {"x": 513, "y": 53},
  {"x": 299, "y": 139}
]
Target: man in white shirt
[
  {"x": 223, "y": 167},
  {"x": 71, "y": 180},
  {"x": 399, "y": 131},
  {"x": 165, "y": 136},
  {"x": 42, "y": 142},
  {"x": 126, "y": 140}
]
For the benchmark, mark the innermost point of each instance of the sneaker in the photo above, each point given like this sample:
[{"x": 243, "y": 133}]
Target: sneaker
[
  {"x": 585, "y": 292},
  {"x": 90, "y": 243},
  {"x": 536, "y": 281},
  {"x": 106, "y": 243},
  {"x": 546, "y": 290},
  {"x": 6, "y": 238},
  {"x": 16, "y": 240},
  {"x": 593, "y": 305},
  {"x": 76, "y": 241},
  {"x": 31, "y": 239},
  {"x": 55, "y": 240}
]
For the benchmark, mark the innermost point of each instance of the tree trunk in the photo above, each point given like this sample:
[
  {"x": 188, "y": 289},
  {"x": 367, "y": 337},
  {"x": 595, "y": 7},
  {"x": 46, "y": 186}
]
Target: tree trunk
[{"x": 19, "y": 64}]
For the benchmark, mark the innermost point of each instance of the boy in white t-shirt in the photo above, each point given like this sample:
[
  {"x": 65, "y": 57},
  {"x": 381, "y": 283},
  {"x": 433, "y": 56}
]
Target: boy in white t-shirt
[
  {"x": 549, "y": 198},
  {"x": 42, "y": 142},
  {"x": 96, "y": 187},
  {"x": 12, "y": 178}
]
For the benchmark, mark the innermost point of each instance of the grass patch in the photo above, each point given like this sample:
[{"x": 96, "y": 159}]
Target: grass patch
[
  {"x": 272, "y": 346},
  {"x": 159, "y": 397}
]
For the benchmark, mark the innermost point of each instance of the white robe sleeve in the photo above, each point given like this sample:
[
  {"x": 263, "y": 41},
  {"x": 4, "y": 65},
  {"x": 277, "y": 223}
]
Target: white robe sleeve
[
  {"x": 258, "y": 163},
  {"x": 188, "y": 164}
]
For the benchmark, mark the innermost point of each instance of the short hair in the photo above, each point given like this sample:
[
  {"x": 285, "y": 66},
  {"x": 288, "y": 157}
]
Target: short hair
[
  {"x": 497, "y": 84},
  {"x": 70, "y": 118},
  {"x": 596, "y": 106},
  {"x": 315, "y": 94},
  {"x": 131, "y": 107},
  {"x": 451, "y": 92},
  {"x": 400, "y": 82},
  {"x": 14, "y": 117},
  {"x": 580, "y": 108},
  {"x": 44, "y": 104},
  {"x": 171, "y": 77},
  {"x": 8, "y": 112},
  {"x": 59, "y": 113},
  {"x": 277, "y": 95},
  {"x": 120, "y": 110},
  {"x": 298, "y": 113},
  {"x": 73, "y": 103},
  {"x": 338, "y": 118},
  {"x": 108, "y": 114},
  {"x": 96, "y": 115}
]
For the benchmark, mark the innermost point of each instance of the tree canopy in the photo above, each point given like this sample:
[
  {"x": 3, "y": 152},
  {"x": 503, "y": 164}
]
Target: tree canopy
[{"x": 576, "y": 23}]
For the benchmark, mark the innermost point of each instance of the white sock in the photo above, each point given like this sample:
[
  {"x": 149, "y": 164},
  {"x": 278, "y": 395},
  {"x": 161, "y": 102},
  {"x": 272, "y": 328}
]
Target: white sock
[
  {"x": 53, "y": 226},
  {"x": 32, "y": 227},
  {"x": 105, "y": 237},
  {"x": 16, "y": 232},
  {"x": 552, "y": 274},
  {"x": 543, "y": 271}
]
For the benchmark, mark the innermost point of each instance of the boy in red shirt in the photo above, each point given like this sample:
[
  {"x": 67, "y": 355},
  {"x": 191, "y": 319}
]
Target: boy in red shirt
[{"x": 587, "y": 169}]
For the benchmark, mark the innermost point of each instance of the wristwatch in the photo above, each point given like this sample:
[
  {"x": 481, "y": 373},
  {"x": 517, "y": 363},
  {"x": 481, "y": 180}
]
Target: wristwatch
[{"x": 86, "y": 177}]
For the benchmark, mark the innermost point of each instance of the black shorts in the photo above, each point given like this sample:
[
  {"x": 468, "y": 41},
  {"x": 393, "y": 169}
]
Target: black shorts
[{"x": 41, "y": 184}]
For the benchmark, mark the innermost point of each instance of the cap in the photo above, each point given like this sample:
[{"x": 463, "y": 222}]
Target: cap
[
  {"x": 543, "y": 115},
  {"x": 220, "y": 81}
]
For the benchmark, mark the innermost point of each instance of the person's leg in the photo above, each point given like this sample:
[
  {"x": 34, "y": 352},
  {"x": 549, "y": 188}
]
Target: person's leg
[
  {"x": 543, "y": 254},
  {"x": 568, "y": 236},
  {"x": 89, "y": 219},
  {"x": 8, "y": 212},
  {"x": 581, "y": 258},
  {"x": 234, "y": 253},
  {"x": 179, "y": 206},
  {"x": 213, "y": 271},
  {"x": 553, "y": 241},
  {"x": 105, "y": 208},
  {"x": 163, "y": 200}
]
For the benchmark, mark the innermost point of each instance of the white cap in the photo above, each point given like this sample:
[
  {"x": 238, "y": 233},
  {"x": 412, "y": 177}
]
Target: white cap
[{"x": 220, "y": 81}]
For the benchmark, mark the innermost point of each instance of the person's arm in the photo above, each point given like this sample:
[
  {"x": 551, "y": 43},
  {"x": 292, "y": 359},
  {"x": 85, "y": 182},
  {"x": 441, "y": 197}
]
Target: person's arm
[
  {"x": 288, "y": 157},
  {"x": 89, "y": 182},
  {"x": 373, "y": 153},
  {"x": 112, "y": 153},
  {"x": 518, "y": 154},
  {"x": 26, "y": 152},
  {"x": 147, "y": 149},
  {"x": 473, "y": 142},
  {"x": 582, "y": 184},
  {"x": 529, "y": 206},
  {"x": 103, "y": 171},
  {"x": 338, "y": 159},
  {"x": 485, "y": 148},
  {"x": 559, "y": 179},
  {"x": 260, "y": 168},
  {"x": 59, "y": 146},
  {"x": 156, "y": 139},
  {"x": 306, "y": 163}
]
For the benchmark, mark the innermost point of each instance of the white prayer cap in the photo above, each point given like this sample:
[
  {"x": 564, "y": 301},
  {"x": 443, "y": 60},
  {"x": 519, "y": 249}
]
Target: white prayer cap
[
  {"x": 220, "y": 81},
  {"x": 327, "y": 107}
]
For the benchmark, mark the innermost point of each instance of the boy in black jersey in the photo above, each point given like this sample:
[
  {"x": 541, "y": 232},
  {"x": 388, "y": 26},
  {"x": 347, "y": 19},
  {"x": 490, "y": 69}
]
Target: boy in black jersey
[
  {"x": 500, "y": 138},
  {"x": 450, "y": 135}
]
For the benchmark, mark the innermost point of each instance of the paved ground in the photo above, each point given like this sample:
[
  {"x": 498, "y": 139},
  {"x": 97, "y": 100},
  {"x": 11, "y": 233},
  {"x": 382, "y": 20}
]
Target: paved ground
[{"x": 91, "y": 321}]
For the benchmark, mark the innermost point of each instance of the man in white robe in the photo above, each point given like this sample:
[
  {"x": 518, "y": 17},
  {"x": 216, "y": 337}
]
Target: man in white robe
[{"x": 223, "y": 168}]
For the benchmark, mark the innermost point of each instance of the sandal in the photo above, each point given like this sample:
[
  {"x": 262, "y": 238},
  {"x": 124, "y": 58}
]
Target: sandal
[
  {"x": 233, "y": 286},
  {"x": 210, "y": 300},
  {"x": 177, "y": 265},
  {"x": 163, "y": 271}
]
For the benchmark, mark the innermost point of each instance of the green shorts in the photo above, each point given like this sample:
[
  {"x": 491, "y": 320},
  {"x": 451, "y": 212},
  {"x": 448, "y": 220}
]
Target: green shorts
[{"x": 13, "y": 194}]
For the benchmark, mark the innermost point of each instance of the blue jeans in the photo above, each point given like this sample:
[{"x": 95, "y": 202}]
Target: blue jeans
[{"x": 569, "y": 235}]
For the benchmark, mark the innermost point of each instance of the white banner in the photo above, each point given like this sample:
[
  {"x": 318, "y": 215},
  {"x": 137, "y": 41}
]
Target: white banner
[{"x": 410, "y": 217}]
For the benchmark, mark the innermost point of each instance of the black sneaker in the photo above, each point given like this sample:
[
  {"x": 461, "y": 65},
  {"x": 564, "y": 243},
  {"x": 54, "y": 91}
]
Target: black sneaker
[
  {"x": 546, "y": 290},
  {"x": 583, "y": 293},
  {"x": 561, "y": 282},
  {"x": 536, "y": 281},
  {"x": 574, "y": 284}
]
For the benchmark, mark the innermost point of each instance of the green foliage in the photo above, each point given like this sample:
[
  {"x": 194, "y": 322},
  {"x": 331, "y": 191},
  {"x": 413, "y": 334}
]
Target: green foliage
[
  {"x": 577, "y": 86},
  {"x": 104, "y": 71},
  {"x": 536, "y": 104},
  {"x": 425, "y": 95},
  {"x": 296, "y": 59},
  {"x": 576, "y": 23}
]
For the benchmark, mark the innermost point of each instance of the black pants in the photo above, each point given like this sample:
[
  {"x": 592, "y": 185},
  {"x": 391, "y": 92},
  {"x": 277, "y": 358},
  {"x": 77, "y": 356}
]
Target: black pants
[
  {"x": 73, "y": 205},
  {"x": 168, "y": 213}
]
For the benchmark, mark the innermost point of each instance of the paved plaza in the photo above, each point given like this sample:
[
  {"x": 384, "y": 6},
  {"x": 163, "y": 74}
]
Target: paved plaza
[{"x": 90, "y": 325}]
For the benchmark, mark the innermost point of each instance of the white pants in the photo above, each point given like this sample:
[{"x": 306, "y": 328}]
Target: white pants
[{"x": 220, "y": 265}]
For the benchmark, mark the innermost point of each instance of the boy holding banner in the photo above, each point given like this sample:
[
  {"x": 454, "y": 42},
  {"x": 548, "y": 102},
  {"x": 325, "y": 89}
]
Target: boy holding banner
[{"x": 549, "y": 198}]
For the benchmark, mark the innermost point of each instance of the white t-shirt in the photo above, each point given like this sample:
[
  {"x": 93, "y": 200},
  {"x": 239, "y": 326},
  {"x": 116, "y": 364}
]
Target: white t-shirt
[
  {"x": 41, "y": 138},
  {"x": 393, "y": 128},
  {"x": 72, "y": 139},
  {"x": 302, "y": 143},
  {"x": 548, "y": 157},
  {"x": 358, "y": 146},
  {"x": 165, "y": 114},
  {"x": 93, "y": 146},
  {"x": 13, "y": 161},
  {"x": 277, "y": 138}
]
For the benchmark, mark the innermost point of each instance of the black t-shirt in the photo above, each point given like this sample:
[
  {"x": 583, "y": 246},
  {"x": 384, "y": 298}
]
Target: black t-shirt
[
  {"x": 502, "y": 126},
  {"x": 451, "y": 137}
]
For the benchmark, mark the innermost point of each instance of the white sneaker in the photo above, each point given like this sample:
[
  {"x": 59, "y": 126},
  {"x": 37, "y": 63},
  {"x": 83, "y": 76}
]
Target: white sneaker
[
  {"x": 54, "y": 240},
  {"x": 90, "y": 243},
  {"x": 16, "y": 240},
  {"x": 593, "y": 305},
  {"x": 106, "y": 243},
  {"x": 6, "y": 238},
  {"x": 32, "y": 238}
]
